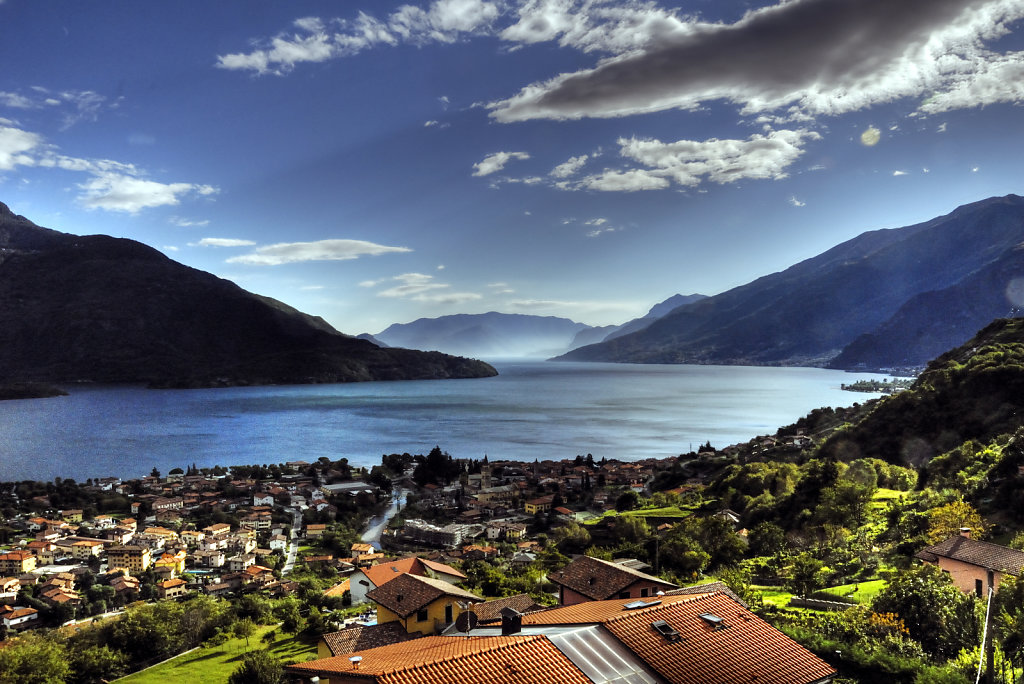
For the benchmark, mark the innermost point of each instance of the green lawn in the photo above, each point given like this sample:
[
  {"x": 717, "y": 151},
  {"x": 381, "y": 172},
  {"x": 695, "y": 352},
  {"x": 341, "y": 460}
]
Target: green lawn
[
  {"x": 861, "y": 592},
  {"x": 214, "y": 664},
  {"x": 775, "y": 596}
]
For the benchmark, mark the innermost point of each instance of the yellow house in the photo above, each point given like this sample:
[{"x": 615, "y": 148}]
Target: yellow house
[
  {"x": 420, "y": 604},
  {"x": 175, "y": 561},
  {"x": 135, "y": 559},
  {"x": 73, "y": 515},
  {"x": 539, "y": 505}
]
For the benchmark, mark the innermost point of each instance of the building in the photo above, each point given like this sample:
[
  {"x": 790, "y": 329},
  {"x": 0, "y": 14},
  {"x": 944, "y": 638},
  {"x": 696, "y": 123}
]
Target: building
[
  {"x": 541, "y": 504},
  {"x": 420, "y": 604},
  {"x": 365, "y": 580},
  {"x": 593, "y": 579},
  {"x": 16, "y": 563},
  {"x": 17, "y": 617},
  {"x": 172, "y": 588},
  {"x": 360, "y": 638},
  {"x": 967, "y": 561},
  {"x": 85, "y": 549},
  {"x": 135, "y": 559},
  {"x": 686, "y": 639}
]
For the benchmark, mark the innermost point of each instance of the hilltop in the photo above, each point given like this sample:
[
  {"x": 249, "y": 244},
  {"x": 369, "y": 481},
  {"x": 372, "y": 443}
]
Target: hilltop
[{"x": 104, "y": 309}]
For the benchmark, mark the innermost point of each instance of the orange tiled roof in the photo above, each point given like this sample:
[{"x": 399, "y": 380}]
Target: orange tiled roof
[
  {"x": 442, "y": 660},
  {"x": 339, "y": 589},
  {"x": 739, "y": 649},
  {"x": 407, "y": 593},
  {"x": 490, "y": 611},
  {"x": 441, "y": 568}
]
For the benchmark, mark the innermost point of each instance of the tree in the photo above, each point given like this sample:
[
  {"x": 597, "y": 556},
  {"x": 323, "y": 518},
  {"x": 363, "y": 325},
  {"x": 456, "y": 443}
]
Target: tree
[
  {"x": 97, "y": 664},
  {"x": 945, "y": 521},
  {"x": 937, "y": 614},
  {"x": 258, "y": 667},
  {"x": 33, "y": 659},
  {"x": 806, "y": 575},
  {"x": 767, "y": 539}
]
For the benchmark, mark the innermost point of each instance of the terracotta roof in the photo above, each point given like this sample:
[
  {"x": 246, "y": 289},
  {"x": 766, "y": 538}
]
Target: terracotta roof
[
  {"x": 382, "y": 573},
  {"x": 490, "y": 611},
  {"x": 708, "y": 588},
  {"x": 442, "y": 660},
  {"x": 407, "y": 594},
  {"x": 339, "y": 589},
  {"x": 362, "y": 638},
  {"x": 441, "y": 567},
  {"x": 979, "y": 553},
  {"x": 600, "y": 579},
  {"x": 741, "y": 648}
]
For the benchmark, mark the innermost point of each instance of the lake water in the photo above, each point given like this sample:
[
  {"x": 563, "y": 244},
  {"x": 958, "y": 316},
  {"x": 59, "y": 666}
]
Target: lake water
[{"x": 531, "y": 410}]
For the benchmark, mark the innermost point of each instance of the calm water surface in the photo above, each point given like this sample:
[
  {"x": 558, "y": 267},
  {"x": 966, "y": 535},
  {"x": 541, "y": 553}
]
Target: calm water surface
[{"x": 531, "y": 410}]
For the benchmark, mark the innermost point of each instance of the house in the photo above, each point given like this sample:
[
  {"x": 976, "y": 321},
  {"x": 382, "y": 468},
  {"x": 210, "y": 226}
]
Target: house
[
  {"x": 85, "y": 549},
  {"x": 209, "y": 558},
  {"x": 172, "y": 588},
  {"x": 688, "y": 639},
  {"x": 364, "y": 580},
  {"x": 420, "y": 604},
  {"x": 193, "y": 538},
  {"x": 279, "y": 542},
  {"x": 593, "y": 579},
  {"x": 73, "y": 515},
  {"x": 135, "y": 559},
  {"x": 541, "y": 504},
  {"x": 17, "y": 617},
  {"x": 241, "y": 562},
  {"x": 16, "y": 563},
  {"x": 315, "y": 530},
  {"x": 967, "y": 561}
]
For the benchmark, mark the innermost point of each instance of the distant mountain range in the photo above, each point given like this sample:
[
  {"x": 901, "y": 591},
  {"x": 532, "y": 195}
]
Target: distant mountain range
[
  {"x": 887, "y": 298},
  {"x": 104, "y": 309},
  {"x": 498, "y": 335}
]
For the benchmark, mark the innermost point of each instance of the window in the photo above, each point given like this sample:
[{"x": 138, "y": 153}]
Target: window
[
  {"x": 979, "y": 588},
  {"x": 624, "y": 594},
  {"x": 645, "y": 592},
  {"x": 421, "y": 615},
  {"x": 448, "y": 613}
]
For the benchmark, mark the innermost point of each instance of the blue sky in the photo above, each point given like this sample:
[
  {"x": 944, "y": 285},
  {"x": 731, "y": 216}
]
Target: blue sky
[{"x": 374, "y": 162}]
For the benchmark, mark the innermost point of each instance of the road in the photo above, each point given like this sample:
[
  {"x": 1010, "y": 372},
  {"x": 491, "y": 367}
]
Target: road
[
  {"x": 293, "y": 547},
  {"x": 378, "y": 524}
]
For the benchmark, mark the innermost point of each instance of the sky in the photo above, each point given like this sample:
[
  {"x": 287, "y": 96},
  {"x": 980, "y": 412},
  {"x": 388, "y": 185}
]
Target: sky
[{"x": 374, "y": 162}]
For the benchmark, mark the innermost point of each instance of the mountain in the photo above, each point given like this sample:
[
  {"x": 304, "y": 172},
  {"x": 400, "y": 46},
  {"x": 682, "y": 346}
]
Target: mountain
[
  {"x": 657, "y": 311},
  {"x": 104, "y": 309},
  {"x": 899, "y": 285},
  {"x": 490, "y": 334},
  {"x": 973, "y": 392}
]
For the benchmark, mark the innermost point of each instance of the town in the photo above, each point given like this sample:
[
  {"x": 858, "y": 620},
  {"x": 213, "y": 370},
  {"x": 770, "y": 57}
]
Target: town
[{"x": 336, "y": 568}]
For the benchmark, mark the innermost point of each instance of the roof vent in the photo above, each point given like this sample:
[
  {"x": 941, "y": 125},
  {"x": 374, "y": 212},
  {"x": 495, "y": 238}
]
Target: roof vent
[
  {"x": 355, "y": 660},
  {"x": 714, "y": 620},
  {"x": 666, "y": 630},
  {"x": 633, "y": 605}
]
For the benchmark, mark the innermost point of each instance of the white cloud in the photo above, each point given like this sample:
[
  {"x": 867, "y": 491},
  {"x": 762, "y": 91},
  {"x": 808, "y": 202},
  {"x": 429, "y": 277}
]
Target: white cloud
[
  {"x": 812, "y": 56},
  {"x": 113, "y": 185},
  {"x": 569, "y": 167},
  {"x": 15, "y": 143},
  {"x": 321, "y": 250},
  {"x": 493, "y": 163},
  {"x": 420, "y": 287},
  {"x": 899, "y": 173},
  {"x": 317, "y": 40},
  {"x": 797, "y": 203},
  {"x": 120, "y": 192},
  {"x": 16, "y": 101},
  {"x": 222, "y": 242},
  {"x": 182, "y": 222}
]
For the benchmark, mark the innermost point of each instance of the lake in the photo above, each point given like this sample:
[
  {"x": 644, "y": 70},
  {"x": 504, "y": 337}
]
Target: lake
[{"x": 531, "y": 410}]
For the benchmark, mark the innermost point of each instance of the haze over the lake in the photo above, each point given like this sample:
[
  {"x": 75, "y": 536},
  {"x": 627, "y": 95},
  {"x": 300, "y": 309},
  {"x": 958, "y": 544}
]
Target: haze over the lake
[{"x": 375, "y": 162}]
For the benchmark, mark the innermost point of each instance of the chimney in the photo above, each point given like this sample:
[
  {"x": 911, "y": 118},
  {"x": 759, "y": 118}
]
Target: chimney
[
  {"x": 511, "y": 621},
  {"x": 965, "y": 532},
  {"x": 355, "y": 660}
]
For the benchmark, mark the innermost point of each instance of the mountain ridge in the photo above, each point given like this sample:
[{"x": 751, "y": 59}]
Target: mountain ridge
[
  {"x": 810, "y": 312},
  {"x": 103, "y": 309}
]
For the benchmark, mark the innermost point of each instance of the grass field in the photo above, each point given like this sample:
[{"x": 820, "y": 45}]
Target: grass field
[
  {"x": 214, "y": 664},
  {"x": 861, "y": 592}
]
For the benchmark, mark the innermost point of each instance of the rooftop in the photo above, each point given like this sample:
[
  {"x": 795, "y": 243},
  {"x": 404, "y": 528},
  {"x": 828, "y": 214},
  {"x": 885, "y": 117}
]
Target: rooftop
[
  {"x": 600, "y": 579},
  {"x": 407, "y": 593},
  {"x": 982, "y": 554}
]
